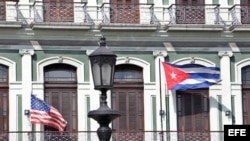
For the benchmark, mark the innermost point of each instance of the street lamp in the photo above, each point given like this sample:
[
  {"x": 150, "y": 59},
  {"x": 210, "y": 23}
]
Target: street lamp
[{"x": 102, "y": 62}]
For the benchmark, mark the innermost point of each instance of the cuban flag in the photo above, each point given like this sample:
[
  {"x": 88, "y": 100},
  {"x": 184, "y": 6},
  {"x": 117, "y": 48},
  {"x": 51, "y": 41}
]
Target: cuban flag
[{"x": 190, "y": 76}]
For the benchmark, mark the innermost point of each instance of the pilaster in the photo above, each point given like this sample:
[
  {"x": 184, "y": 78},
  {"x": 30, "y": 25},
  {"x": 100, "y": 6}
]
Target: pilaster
[
  {"x": 226, "y": 89},
  {"x": 160, "y": 88},
  {"x": 26, "y": 84}
]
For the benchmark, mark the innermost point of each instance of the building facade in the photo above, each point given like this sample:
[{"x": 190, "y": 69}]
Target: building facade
[{"x": 44, "y": 48}]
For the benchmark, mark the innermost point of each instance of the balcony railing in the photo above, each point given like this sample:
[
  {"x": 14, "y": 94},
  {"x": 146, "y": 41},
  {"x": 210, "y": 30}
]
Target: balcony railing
[
  {"x": 61, "y": 12},
  {"x": 121, "y": 136},
  {"x": 112, "y": 13},
  {"x": 200, "y": 14},
  {"x": 11, "y": 10},
  {"x": 240, "y": 14},
  {"x": 128, "y": 13}
]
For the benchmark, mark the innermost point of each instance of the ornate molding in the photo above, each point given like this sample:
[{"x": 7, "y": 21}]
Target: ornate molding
[
  {"x": 225, "y": 53},
  {"x": 26, "y": 52},
  {"x": 160, "y": 53}
]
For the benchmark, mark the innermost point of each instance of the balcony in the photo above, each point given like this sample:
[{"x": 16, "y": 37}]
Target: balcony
[
  {"x": 128, "y": 16},
  {"x": 201, "y": 17},
  {"x": 113, "y": 16},
  {"x": 240, "y": 16},
  {"x": 61, "y": 15},
  {"x": 122, "y": 136},
  {"x": 9, "y": 16}
]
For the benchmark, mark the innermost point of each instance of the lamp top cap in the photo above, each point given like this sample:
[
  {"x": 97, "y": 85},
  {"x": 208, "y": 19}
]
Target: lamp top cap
[
  {"x": 102, "y": 41},
  {"x": 102, "y": 50}
]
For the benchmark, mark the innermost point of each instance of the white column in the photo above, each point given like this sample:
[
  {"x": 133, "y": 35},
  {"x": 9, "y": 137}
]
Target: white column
[
  {"x": 26, "y": 84},
  {"x": 94, "y": 96},
  {"x": 160, "y": 87},
  {"x": 226, "y": 85}
]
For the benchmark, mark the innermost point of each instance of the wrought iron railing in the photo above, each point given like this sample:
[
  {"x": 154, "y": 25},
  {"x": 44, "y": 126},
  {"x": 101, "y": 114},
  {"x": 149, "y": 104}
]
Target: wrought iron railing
[
  {"x": 128, "y": 13},
  {"x": 108, "y": 13},
  {"x": 199, "y": 14},
  {"x": 240, "y": 14},
  {"x": 116, "y": 136},
  {"x": 9, "y": 12},
  {"x": 15, "y": 12},
  {"x": 75, "y": 12}
]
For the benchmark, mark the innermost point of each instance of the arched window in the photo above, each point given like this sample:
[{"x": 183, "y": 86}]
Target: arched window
[
  {"x": 4, "y": 74},
  {"x": 127, "y": 97},
  {"x": 4, "y": 99},
  {"x": 61, "y": 92},
  {"x": 246, "y": 94},
  {"x": 192, "y": 107},
  {"x": 246, "y": 77}
]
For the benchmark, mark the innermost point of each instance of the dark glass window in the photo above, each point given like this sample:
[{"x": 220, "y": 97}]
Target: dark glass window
[
  {"x": 246, "y": 94},
  {"x": 4, "y": 99},
  {"x": 246, "y": 75},
  {"x": 3, "y": 73},
  {"x": 128, "y": 73},
  {"x": 58, "y": 73}
]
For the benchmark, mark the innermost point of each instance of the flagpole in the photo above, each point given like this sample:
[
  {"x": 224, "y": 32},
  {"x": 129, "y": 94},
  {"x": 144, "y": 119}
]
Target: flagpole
[{"x": 161, "y": 111}]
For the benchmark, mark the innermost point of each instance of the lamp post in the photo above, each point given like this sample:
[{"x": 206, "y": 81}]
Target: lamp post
[{"x": 102, "y": 62}]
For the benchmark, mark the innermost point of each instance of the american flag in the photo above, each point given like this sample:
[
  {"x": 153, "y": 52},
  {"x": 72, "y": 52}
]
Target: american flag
[{"x": 43, "y": 113}]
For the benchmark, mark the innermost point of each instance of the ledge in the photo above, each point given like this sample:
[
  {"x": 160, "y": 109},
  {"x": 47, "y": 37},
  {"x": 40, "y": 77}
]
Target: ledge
[
  {"x": 194, "y": 27},
  {"x": 10, "y": 24},
  {"x": 61, "y": 25},
  {"x": 240, "y": 27},
  {"x": 122, "y": 26}
]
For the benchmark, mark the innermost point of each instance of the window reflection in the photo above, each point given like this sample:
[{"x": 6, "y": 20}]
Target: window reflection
[
  {"x": 60, "y": 72},
  {"x": 128, "y": 73},
  {"x": 3, "y": 73},
  {"x": 246, "y": 75}
]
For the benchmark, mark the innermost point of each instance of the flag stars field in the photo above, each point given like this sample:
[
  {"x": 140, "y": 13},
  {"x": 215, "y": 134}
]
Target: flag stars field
[{"x": 173, "y": 75}]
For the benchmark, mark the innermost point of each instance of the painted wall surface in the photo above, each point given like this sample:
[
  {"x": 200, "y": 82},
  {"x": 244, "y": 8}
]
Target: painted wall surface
[
  {"x": 78, "y": 55},
  {"x": 14, "y": 56},
  {"x": 26, "y": 62}
]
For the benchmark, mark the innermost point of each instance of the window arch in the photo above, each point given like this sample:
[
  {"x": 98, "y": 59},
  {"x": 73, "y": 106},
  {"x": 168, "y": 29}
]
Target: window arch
[
  {"x": 128, "y": 73},
  {"x": 60, "y": 73},
  {"x": 63, "y": 60},
  {"x": 137, "y": 62}
]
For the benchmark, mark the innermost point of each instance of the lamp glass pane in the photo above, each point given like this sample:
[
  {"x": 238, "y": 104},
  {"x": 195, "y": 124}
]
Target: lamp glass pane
[
  {"x": 96, "y": 74},
  {"x": 106, "y": 74}
]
